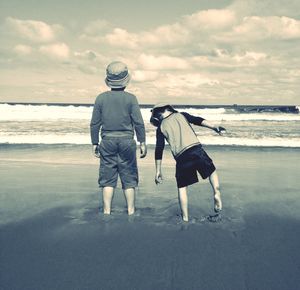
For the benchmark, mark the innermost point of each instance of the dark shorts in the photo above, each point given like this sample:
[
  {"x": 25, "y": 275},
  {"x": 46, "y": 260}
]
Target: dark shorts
[
  {"x": 189, "y": 162},
  {"x": 118, "y": 157}
]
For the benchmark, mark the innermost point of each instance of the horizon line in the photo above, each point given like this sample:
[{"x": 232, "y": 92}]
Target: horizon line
[{"x": 147, "y": 104}]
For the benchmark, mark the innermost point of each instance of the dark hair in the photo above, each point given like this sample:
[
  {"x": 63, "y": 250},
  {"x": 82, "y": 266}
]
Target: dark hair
[{"x": 157, "y": 112}]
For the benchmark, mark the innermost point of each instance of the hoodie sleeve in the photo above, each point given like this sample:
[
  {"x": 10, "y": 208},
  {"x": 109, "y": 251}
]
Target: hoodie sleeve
[
  {"x": 160, "y": 144},
  {"x": 96, "y": 122},
  {"x": 193, "y": 119},
  {"x": 137, "y": 121}
]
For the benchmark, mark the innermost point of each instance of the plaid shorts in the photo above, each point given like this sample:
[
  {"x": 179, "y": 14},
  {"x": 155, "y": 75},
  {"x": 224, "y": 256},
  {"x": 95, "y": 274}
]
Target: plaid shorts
[
  {"x": 118, "y": 157},
  {"x": 189, "y": 162}
]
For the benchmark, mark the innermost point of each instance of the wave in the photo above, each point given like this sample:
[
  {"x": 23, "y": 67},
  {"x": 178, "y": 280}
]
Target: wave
[
  {"x": 54, "y": 112},
  {"x": 238, "y": 108},
  {"x": 229, "y": 115},
  {"x": 43, "y": 112},
  {"x": 82, "y": 139}
]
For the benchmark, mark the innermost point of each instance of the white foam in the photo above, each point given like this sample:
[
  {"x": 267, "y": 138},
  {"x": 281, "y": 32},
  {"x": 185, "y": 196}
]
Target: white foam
[
  {"x": 44, "y": 112},
  {"x": 205, "y": 140},
  {"x": 262, "y": 142},
  {"x": 46, "y": 139},
  {"x": 223, "y": 115}
]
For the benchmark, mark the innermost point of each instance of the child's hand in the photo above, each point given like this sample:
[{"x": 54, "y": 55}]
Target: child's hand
[
  {"x": 219, "y": 130},
  {"x": 96, "y": 151},
  {"x": 143, "y": 150},
  {"x": 158, "y": 178}
]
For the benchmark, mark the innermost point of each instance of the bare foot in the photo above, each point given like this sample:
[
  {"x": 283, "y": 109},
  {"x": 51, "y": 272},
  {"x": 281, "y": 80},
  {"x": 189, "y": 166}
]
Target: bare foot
[
  {"x": 185, "y": 219},
  {"x": 218, "y": 203},
  {"x": 131, "y": 211}
]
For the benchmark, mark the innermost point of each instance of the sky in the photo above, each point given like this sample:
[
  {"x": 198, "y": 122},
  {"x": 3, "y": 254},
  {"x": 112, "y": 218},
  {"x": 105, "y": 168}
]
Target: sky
[{"x": 181, "y": 52}]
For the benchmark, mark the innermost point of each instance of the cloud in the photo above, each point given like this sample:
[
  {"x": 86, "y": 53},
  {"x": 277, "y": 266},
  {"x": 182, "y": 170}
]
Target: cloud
[
  {"x": 187, "y": 29},
  {"x": 144, "y": 76},
  {"x": 224, "y": 58},
  {"x": 250, "y": 57},
  {"x": 256, "y": 28},
  {"x": 56, "y": 50},
  {"x": 36, "y": 31},
  {"x": 122, "y": 38},
  {"x": 247, "y": 51},
  {"x": 165, "y": 35},
  {"x": 184, "y": 85},
  {"x": 87, "y": 54},
  {"x": 22, "y": 49},
  {"x": 164, "y": 62},
  {"x": 89, "y": 61},
  {"x": 210, "y": 19},
  {"x": 188, "y": 80}
]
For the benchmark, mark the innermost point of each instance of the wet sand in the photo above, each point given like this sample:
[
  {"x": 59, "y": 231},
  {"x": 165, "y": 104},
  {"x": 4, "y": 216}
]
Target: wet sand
[{"x": 53, "y": 237}]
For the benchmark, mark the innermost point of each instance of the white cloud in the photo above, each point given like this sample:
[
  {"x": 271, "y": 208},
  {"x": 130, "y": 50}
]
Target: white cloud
[
  {"x": 22, "y": 49},
  {"x": 87, "y": 54},
  {"x": 89, "y": 61},
  {"x": 257, "y": 28},
  {"x": 188, "y": 29},
  {"x": 144, "y": 76},
  {"x": 36, "y": 31},
  {"x": 251, "y": 57},
  {"x": 56, "y": 50},
  {"x": 243, "y": 51},
  {"x": 164, "y": 62},
  {"x": 189, "y": 80},
  {"x": 165, "y": 35},
  {"x": 122, "y": 38},
  {"x": 184, "y": 85},
  {"x": 211, "y": 19}
]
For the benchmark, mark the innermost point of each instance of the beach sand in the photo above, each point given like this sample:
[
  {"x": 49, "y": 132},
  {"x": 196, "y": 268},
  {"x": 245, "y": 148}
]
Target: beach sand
[{"x": 53, "y": 237}]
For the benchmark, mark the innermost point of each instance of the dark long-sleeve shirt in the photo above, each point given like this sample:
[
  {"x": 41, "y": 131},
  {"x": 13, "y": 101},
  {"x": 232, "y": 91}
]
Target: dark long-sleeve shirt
[
  {"x": 117, "y": 112},
  {"x": 160, "y": 138}
]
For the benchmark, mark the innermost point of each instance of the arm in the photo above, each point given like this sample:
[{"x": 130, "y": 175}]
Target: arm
[
  {"x": 95, "y": 127},
  {"x": 139, "y": 126},
  {"x": 159, "y": 148},
  {"x": 158, "y": 174},
  {"x": 202, "y": 122},
  {"x": 193, "y": 119},
  {"x": 217, "y": 129}
]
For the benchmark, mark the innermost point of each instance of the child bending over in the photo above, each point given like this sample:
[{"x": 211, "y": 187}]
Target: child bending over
[{"x": 189, "y": 155}]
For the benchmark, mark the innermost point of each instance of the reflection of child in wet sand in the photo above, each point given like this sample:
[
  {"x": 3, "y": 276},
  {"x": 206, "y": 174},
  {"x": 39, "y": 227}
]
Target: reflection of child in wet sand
[{"x": 189, "y": 155}]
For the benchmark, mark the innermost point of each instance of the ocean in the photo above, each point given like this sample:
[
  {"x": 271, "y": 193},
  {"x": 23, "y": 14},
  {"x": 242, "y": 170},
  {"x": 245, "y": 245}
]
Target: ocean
[{"x": 260, "y": 126}]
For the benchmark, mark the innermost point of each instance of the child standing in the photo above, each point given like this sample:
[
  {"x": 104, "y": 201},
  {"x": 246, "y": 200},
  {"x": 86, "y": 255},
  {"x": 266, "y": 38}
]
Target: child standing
[
  {"x": 117, "y": 114},
  {"x": 189, "y": 155}
]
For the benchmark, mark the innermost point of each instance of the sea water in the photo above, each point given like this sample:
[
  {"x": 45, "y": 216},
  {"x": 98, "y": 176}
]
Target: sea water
[{"x": 262, "y": 126}]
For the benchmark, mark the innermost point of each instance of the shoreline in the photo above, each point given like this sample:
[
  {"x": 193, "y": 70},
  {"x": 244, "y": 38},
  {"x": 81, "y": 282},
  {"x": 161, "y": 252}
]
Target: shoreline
[{"x": 150, "y": 146}]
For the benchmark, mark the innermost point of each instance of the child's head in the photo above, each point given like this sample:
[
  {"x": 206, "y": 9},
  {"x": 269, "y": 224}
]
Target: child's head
[
  {"x": 117, "y": 76},
  {"x": 158, "y": 111}
]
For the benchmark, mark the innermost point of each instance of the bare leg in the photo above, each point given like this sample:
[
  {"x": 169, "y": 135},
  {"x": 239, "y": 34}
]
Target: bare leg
[
  {"x": 107, "y": 194},
  {"x": 130, "y": 198},
  {"x": 214, "y": 181},
  {"x": 183, "y": 202}
]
